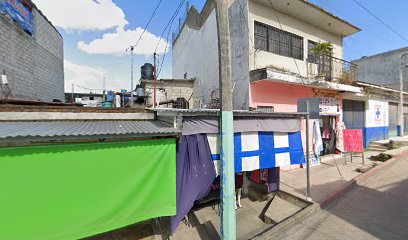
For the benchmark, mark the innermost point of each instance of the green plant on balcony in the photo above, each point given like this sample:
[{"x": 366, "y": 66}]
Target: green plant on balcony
[{"x": 323, "y": 51}]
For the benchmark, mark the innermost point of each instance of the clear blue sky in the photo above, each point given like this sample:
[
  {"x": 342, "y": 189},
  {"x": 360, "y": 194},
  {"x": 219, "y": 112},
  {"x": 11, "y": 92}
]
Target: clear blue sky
[{"x": 373, "y": 39}]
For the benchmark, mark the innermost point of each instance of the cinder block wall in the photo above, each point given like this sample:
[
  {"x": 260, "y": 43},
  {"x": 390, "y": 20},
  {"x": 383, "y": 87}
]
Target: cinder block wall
[{"x": 34, "y": 65}]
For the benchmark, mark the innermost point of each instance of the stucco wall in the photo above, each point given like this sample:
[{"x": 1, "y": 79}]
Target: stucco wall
[
  {"x": 382, "y": 69},
  {"x": 266, "y": 15},
  {"x": 171, "y": 90},
  {"x": 196, "y": 53},
  {"x": 33, "y": 64}
]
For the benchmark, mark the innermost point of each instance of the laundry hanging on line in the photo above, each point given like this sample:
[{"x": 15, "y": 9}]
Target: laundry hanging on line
[{"x": 260, "y": 150}]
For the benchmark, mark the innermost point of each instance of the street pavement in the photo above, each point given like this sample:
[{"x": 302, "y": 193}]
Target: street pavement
[{"x": 378, "y": 209}]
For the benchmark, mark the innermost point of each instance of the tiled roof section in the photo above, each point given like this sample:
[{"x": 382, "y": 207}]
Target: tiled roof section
[{"x": 73, "y": 129}]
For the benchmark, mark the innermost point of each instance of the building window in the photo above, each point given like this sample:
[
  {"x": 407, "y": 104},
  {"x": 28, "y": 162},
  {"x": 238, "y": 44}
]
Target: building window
[
  {"x": 311, "y": 56},
  {"x": 268, "y": 38}
]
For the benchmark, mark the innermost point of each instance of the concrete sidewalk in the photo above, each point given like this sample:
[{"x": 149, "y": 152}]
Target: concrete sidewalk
[
  {"x": 327, "y": 178},
  {"x": 397, "y": 142}
]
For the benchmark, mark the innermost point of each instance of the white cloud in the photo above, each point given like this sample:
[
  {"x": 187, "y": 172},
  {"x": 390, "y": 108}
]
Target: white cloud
[
  {"x": 83, "y": 15},
  {"x": 86, "y": 77},
  {"x": 116, "y": 43}
]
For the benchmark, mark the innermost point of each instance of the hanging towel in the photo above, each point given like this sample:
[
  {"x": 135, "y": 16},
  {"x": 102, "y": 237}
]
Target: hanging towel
[
  {"x": 195, "y": 174},
  {"x": 317, "y": 138},
  {"x": 339, "y": 136},
  {"x": 261, "y": 150}
]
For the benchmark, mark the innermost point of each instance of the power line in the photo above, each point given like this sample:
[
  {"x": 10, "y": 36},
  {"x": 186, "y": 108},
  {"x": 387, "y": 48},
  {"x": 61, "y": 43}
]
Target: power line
[
  {"x": 280, "y": 26},
  {"x": 148, "y": 23},
  {"x": 168, "y": 27},
  {"x": 381, "y": 21},
  {"x": 170, "y": 22}
]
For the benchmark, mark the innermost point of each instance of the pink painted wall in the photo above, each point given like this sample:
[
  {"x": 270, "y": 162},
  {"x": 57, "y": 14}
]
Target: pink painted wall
[{"x": 283, "y": 97}]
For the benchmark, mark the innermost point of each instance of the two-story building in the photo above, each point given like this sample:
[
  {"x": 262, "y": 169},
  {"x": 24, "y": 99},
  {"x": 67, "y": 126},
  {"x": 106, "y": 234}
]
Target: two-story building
[{"x": 274, "y": 61}]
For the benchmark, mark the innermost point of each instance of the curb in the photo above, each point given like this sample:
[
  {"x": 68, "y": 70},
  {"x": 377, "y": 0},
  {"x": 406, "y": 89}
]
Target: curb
[{"x": 362, "y": 178}]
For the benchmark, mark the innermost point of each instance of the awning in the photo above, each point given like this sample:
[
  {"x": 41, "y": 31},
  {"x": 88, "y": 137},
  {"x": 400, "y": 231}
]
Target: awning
[{"x": 197, "y": 125}]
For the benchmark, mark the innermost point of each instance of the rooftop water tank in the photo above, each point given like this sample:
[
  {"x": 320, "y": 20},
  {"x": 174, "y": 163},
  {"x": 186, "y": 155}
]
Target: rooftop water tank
[{"x": 147, "y": 71}]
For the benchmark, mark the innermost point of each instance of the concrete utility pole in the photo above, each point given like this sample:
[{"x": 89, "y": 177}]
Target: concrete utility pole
[
  {"x": 228, "y": 217},
  {"x": 404, "y": 64}
]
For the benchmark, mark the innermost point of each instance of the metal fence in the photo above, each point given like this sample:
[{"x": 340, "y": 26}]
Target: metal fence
[{"x": 332, "y": 69}]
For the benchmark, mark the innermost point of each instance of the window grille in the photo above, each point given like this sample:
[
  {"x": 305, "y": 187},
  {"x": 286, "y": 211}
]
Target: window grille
[{"x": 271, "y": 39}]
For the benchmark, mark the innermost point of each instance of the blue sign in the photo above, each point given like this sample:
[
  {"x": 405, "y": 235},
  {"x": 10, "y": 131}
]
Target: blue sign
[{"x": 16, "y": 11}]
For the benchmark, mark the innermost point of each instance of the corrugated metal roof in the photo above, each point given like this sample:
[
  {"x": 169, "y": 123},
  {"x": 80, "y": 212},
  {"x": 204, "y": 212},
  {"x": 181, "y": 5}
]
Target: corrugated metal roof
[
  {"x": 237, "y": 113},
  {"x": 55, "y": 129}
]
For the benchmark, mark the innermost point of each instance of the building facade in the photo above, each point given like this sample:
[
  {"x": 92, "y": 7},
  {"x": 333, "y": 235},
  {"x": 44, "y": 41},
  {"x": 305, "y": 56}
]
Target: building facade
[
  {"x": 264, "y": 35},
  {"x": 382, "y": 72},
  {"x": 170, "y": 92},
  {"x": 31, "y": 53},
  {"x": 273, "y": 61}
]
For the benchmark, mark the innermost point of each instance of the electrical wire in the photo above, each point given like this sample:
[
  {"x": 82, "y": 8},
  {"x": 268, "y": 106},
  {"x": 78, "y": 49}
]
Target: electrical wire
[
  {"x": 381, "y": 21},
  {"x": 280, "y": 26},
  {"x": 168, "y": 28},
  {"x": 147, "y": 24}
]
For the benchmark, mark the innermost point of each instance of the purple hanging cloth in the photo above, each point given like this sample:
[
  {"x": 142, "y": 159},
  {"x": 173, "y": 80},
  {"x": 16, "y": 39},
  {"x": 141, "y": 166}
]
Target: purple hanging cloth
[
  {"x": 274, "y": 179},
  {"x": 195, "y": 174}
]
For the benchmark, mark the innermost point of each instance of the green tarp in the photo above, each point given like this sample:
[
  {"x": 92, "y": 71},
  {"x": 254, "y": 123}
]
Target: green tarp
[{"x": 78, "y": 190}]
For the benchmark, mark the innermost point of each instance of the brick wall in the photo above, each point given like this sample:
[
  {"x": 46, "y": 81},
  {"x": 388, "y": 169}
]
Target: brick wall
[{"x": 34, "y": 65}]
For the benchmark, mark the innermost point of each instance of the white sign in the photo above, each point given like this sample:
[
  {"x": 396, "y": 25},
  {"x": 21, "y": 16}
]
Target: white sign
[
  {"x": 329, "y": 105},
  {"x": 377, "y": 114}
]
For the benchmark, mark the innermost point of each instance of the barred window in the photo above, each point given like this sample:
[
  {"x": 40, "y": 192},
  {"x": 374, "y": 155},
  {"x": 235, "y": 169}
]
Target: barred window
[
  {"x": 311, "y": 56},
  {"x": 268, "y": 38}
]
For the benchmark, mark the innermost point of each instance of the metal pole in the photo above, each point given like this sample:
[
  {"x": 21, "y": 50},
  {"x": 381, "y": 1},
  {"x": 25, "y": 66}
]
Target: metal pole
[
  {"x": 401, "y": 117},
  {"x": 154, "y": 81},
  {"x": 104, "y": 89},
  {"x": 72, "y": 94},
  {"x": 228, "y": 215},
  {"x": 131, "y": 76},
  {"x": 307, "y": 151}
]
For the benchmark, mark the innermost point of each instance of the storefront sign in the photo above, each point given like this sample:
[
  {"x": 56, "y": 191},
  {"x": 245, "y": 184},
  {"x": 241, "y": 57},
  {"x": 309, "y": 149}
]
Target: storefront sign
[
  {"x": 353, "y": 140},
  {"x": 329, "y": 105},
  {"x": 377, "y": 114},
  {"x": 16, "y": 11}
]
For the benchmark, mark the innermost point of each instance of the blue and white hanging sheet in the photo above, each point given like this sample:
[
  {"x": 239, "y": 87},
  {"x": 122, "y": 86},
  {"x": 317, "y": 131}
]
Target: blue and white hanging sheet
[{"x": 260, "y": 150}]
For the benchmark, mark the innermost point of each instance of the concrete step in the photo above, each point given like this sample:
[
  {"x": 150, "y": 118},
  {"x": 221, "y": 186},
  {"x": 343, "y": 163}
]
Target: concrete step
[
  {"x": 279, "y": 210},
  {"x": 204, "y": 231},
  {"x": 379, "y": 145},
  {"x": 376, "y": 149}
]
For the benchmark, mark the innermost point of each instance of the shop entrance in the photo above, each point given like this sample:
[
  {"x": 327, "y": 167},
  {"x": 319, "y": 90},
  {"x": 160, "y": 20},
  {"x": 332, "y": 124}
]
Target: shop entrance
[{"x": 327, "y": 130}]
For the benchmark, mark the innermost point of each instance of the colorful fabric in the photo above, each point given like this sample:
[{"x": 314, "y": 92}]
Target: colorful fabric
[
  {"x": 260, "y": 150},
  {"x": 195, "y": 174},
  {"x": 273, "y": 179},
  {"x": 339, "y": 136},
  {"x": 79, "y": 190},
  {"x": 317, "y": 139}
]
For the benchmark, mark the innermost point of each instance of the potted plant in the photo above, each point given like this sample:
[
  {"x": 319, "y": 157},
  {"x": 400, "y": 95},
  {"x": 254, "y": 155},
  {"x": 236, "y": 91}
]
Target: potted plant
[{"x": 323, "y": 51}]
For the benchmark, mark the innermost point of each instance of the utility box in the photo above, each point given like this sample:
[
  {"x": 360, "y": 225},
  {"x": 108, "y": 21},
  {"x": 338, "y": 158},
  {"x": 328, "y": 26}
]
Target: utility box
[{"x": 314, "y": 107}]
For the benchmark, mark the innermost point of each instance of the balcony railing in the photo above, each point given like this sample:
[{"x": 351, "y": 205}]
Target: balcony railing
[{"x": 332, "y": 69}]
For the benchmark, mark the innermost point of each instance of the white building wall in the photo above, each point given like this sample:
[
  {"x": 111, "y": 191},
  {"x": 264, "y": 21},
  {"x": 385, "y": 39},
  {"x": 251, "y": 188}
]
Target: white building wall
[
  {"x": 374, "y": 119},
  {"x": 195, "y": 53},
  {"x": 261, "y": 59}
]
